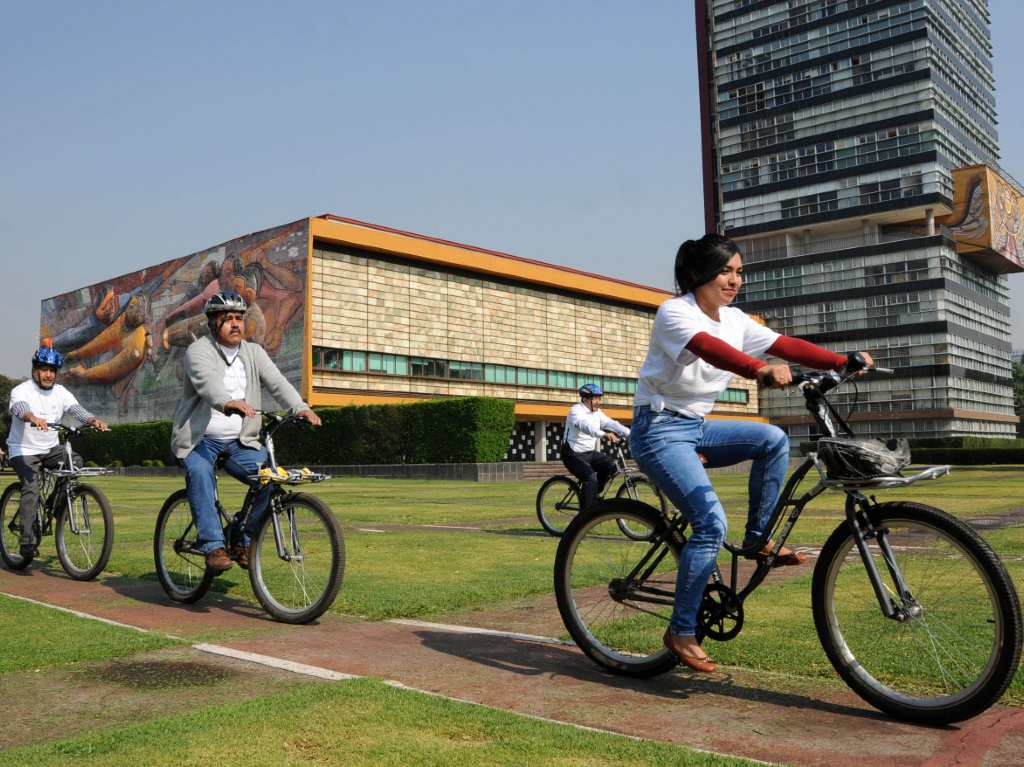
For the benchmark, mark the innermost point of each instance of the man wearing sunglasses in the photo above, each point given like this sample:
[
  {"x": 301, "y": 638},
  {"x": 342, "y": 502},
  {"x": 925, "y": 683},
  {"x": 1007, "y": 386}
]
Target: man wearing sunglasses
[{"x": 217, "y": 417}]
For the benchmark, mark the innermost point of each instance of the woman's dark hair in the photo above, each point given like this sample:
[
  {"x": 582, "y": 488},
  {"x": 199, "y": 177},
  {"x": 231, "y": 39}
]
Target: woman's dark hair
[{"x": 700, "y": 261}]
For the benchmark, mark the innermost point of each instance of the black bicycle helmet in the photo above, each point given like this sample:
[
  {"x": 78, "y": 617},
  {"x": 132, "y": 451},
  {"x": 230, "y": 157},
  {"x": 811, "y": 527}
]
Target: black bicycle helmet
[{"x": 849, "y": 458}]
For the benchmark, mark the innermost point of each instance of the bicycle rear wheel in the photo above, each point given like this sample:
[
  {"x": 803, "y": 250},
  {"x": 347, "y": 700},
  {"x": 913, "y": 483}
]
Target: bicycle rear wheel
[
  {"x": 299, "y": 586},
  {"x": 600, "y": 587},
  {"x": 958, "y": 644},
  {"x": 180, "y": 567},
  {"x": 10, "y": 528},
  {"x": 558, "y": 503},
  {"x": 642, "y": 490},
  {"x": 85, "y": 533}
]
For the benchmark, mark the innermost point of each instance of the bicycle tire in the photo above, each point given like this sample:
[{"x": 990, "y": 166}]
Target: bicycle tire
[
  {"x": 646, "y": 492},
  {"x": 296, "y": 593},
  {"x": 10, "y": 532},
  {"x": 83, "y": 549},
  {"x": 593, "y": 558},
  {"x": 182, "y": 572},
  {"x": 957, "y": 651},
  {"x": 558, "y": 503}
]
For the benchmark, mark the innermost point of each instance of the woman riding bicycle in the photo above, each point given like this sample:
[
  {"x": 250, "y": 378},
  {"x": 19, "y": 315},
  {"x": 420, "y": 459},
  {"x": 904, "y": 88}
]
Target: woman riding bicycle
[{"x": 698, "y": 342}]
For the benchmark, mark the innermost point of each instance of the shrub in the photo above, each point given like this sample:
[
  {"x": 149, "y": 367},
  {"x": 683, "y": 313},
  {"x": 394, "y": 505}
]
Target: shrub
[
  {"x": 968, "y": 456},
  {"x": 458, "y": 430}
]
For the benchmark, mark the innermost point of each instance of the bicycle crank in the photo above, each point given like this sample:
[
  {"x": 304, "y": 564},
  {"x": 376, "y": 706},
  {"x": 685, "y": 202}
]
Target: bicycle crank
[{"x": 721, "y": 613}]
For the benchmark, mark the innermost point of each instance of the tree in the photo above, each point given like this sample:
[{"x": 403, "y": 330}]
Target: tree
[{"x": 1018, "y": 393}]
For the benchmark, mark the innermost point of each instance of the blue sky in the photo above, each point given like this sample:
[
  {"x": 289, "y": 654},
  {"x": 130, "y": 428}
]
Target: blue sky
[{"x": 565, "y": 132}]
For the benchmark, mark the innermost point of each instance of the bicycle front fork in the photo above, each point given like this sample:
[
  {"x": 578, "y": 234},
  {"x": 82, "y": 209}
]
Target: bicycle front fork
[{"x": 857, "y": 507}]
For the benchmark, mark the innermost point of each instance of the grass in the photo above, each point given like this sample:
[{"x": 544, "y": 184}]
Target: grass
[
  {"x": 34, "y": 637},
  {"x": 361, "y": 722}
]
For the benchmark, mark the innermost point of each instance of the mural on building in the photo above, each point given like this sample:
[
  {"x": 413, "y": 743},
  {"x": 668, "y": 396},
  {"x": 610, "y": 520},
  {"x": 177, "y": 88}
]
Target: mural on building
[
  {"x": 125, "y": 338},
  {"x": 987, "y": 218}
]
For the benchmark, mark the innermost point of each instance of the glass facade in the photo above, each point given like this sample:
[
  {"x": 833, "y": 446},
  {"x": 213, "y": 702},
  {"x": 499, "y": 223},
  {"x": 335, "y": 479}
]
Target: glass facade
[{"x": 835, "y": 128}]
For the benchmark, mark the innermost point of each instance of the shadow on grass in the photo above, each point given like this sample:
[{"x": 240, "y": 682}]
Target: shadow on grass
[{"x": 536, "y": 659}]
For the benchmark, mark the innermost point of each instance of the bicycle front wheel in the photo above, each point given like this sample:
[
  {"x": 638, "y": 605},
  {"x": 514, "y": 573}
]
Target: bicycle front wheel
[
  {"x": 615, "y": 593},
  {"x": 10, "y": 528},
  {"x": 85, "y": 533},
  {"x": 180, "y": 567},
  {"x": 297, "y": 582},
  {"x": 639, "y": 488},
  {"x": 955, "y": 647},
  {"x": 558, "y": 503}
]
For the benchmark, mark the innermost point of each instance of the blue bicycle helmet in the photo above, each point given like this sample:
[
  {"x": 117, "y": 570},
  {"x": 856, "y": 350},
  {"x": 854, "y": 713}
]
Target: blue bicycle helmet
[
  {"x": 591, "y": 390},
  {"x": 46, "y": 356}
]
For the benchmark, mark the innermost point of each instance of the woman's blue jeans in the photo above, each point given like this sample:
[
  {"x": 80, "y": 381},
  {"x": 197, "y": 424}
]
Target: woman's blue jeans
[{"x": 665, "y": 445}]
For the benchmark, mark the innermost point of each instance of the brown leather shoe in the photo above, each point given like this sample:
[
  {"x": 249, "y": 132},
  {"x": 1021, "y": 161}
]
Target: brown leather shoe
[
  {"x": 240, "y": 554},
  {"x": 705, "y": 665},
  {"x": 218, "y": 561}
]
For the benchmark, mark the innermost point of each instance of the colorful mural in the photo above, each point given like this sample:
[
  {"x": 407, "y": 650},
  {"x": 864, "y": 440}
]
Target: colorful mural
[
  {"x": 125, "y": 338},
  {"x": 987, "y": 218}
]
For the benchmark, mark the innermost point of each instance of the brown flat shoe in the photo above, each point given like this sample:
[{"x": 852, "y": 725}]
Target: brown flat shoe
[
  {"x": 704, "y": 665},
  {"x": 218, "y": 561},
  {"x": 241, "y": 555},
  {"x": 786, "y": 557}
]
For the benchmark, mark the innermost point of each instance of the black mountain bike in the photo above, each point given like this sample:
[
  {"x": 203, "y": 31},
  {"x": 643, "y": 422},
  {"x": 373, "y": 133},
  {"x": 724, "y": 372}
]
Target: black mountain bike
[
  {"x": 297, "y": 556},
  {"x": 560, "y": 498},
  {"x": 913, "y": 608},
  {"x": 84, "y": 530}
]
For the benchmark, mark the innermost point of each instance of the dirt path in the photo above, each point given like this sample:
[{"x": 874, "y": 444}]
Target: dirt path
[{"x": 765, "y": 716}]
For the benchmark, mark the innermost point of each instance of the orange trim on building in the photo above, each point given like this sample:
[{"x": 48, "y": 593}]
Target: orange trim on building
[
  {"x": 525, "y": 411},
  {"x": 360, "y": 234},
  {"x": 307, "y": 348}
]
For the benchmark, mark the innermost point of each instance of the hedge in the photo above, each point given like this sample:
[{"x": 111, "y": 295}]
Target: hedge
[
  {"x": 129, "y": 443},
  {"x": 458, "y": 430},
  {"x": 967, "y": 456}
]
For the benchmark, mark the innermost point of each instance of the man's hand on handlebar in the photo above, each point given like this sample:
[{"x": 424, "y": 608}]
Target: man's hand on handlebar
[
  {"x": 239, "y": 406},
  {"x": 612, "y": 437},
  {"x": 775, "y": 376},
  {"x": 39, "y": 423},
  {"x": 97, "y": 424},
  {"x": 310, "y": 416}
]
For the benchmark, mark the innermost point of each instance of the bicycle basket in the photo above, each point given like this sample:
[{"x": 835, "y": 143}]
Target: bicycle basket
[{"x": 848, "y": 458}]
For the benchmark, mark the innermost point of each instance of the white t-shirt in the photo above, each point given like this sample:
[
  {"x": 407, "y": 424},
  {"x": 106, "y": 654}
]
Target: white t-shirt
[
  {"x": 673, "y": 377},
  {"x": 584, "y": 429},
  {"x": 48, "y": 404},
  {"x": 229, "y": 426}
]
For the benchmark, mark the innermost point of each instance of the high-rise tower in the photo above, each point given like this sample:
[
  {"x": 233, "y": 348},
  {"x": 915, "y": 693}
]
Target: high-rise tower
[{"x": 850, "y": 148}]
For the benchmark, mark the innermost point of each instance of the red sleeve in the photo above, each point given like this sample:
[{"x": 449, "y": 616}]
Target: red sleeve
[
  {"x": 805, "y": 353},
  {"x": 723, "y": 356}
]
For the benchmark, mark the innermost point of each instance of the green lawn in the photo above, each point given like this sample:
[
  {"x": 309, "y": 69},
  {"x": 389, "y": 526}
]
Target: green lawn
[
  {"x": 34, "y": 637},
  {"x": 354, "y": 723}
]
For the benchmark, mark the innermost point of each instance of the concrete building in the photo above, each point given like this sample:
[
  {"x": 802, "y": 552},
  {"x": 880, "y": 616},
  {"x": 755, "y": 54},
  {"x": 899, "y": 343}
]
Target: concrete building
[
  {"x": 356, "y": 313},
  {"x": 850, "y": 148}
]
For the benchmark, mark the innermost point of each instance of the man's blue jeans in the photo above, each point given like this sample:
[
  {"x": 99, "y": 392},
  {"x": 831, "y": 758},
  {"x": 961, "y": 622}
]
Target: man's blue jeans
[
  {"x": 665, "y": 446},
  {"x": 200, "y": 464}
]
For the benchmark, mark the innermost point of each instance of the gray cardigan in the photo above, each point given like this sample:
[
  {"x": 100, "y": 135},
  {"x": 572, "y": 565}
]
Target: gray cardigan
[{"x": 205, "y": 366}]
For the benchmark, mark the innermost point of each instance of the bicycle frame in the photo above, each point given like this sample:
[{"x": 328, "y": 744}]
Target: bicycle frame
[{"x": 857, "y": 508}]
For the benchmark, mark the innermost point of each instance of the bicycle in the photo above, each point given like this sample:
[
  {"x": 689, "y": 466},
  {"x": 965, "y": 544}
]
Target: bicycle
[
  {"x": 559, "y": 498},
  {"x": 84, "y": 534},
  {"x": 297, "y": 556},
  {"x": 914, "y": 610}
]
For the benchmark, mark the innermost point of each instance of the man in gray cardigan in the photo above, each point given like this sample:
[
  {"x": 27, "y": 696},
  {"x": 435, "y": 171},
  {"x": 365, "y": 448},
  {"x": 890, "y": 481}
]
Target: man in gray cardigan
[{"x": 217, "y": 417}]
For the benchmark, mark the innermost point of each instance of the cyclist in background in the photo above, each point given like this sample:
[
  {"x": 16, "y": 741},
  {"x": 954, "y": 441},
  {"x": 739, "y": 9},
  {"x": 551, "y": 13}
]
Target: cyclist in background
[
  {"x": 216, "y": 417},
  {"x": 585, "y": 426},
  {"x": 36, "y": 402}
]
